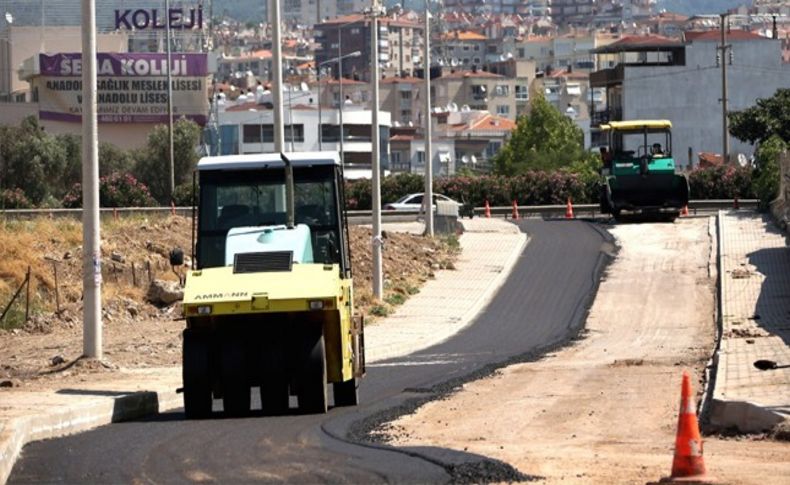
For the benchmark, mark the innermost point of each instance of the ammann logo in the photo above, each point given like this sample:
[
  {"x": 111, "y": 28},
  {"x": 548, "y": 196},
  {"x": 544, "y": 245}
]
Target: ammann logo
[{"x": 221, "y": 296}]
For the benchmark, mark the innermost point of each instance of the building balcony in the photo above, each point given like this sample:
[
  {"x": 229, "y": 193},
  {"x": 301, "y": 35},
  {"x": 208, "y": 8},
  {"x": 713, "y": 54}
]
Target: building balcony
[{"x": 602, "y": 117}]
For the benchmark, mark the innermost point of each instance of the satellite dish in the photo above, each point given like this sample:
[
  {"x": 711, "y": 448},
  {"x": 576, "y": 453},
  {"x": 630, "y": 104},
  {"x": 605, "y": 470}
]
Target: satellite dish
[
  {"x": 465, "y": 159},
  {"x": 742, "y": 160},
  {"x": 509, "y": 55},
  {"x": 465, "y": 108},
  {"x": 9, "y": 18},
  {"x": 411, "y": 124},
  {"x": 396, "y": 124},
  {"x": 454, "y": 62},
  {"x": 474, "y": 160},
  {"x": 482, "y": 89},
  {"x": 304, "y": 87},
  {"x": 453, "y": 107},
  {"x": 502, "y": 57}
]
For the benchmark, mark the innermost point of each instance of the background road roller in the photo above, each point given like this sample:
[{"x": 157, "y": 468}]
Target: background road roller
[
  {"x": 639, "y": 173},
  {"x": 268, "y": 301}
]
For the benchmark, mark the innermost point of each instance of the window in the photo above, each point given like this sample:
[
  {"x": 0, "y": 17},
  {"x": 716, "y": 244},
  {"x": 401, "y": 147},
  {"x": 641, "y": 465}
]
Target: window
[
  {"x": 502, "y": 90},
  {"x": 297, "y": 130},
  {"x": 493, "y": 148},
  {"x": 405, "y": 115},
  {"x": 406, "y": 95},
  {"x": 258, "y": 134},
  {"x": 477, "y": 60},
  {"x": 522, "y": 93},
  {"x": 492, "y": 49},
  {"x": 521, "y": 52},
  {"x": 466, "y": 47},
  {"x": 503, "y": 109},
  {"x": 355, "y": 31},
  {"x": 477, "y": 47},
  {"x": 479, "y": 91},
  {"x": 420, "y": 161}
]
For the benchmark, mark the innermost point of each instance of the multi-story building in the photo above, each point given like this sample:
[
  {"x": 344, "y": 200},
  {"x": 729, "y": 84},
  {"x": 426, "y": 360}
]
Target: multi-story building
[
  {"x": 659, "y": 78},
  {"x": 481, "y": 90},
  {"x": 400, "y": 45},
  {"x": 404, "y": 98},
  {"x": 476, "y": 135},
  {"x": 249, "y": 128}
]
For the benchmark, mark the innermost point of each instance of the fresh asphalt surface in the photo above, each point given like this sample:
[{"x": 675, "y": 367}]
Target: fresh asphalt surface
[{"x": 542, "y": 304}]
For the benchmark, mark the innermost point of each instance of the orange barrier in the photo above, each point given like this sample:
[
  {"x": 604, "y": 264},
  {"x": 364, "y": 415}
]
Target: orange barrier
[
  {"x": 569, "y": 210},
  {"x": 515, "y": 211},
  {"x": 685, "y": 211},
  {"x": 688, "y": 462},
  {"x": 488, "y": 210}
]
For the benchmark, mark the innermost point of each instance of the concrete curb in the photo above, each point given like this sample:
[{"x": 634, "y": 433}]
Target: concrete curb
[{"x": 18, "y": 432}]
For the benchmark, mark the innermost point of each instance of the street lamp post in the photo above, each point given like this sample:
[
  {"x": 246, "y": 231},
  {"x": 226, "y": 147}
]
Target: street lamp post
[
  {"x": 376, "y": 240},
  {"x": 428, "y": 198},
  {"x": 318, "y": 71}
]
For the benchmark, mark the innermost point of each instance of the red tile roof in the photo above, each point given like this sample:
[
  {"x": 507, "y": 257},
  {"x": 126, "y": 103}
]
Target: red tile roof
[
  {"x": 488, "y": 122},
  {"x": 715, "y": 35},
  {"x": 644, "y": 40},
  {"x": 463, "y": 35},
  {"x": 403, "y": 80}
]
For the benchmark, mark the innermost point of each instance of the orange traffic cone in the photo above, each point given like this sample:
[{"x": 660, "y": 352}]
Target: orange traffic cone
[
  {"x": 688, "y": 462},
  {"x": 515, "y": 210},
  {"x": 488, "y": 210},
  {"x": 685, "y": 210},
  {"x": 569, "y": 210}
]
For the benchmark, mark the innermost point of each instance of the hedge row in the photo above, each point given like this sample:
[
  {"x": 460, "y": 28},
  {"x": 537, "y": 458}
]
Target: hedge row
[{"x": 540, "y": 188}]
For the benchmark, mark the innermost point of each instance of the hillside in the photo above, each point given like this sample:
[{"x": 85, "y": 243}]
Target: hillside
[{"x": 696, "y": 7}]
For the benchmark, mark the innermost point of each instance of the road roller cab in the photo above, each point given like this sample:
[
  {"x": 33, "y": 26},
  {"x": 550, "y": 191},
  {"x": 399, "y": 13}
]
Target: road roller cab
[{"x": 269, "y": 299}]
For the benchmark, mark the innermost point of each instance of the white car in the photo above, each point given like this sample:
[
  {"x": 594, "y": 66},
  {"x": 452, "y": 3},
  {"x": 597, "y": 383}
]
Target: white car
[{"x": 413, "y": 202}]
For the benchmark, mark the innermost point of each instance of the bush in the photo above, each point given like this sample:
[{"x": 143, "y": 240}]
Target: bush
[
  {"x": 182, "y": 196},
  {"x": 116, "y": 190},
  {"x": 14, "y": 199},
  {"x": 721, "y": 182},
  {"x": 766, "y": 175}
]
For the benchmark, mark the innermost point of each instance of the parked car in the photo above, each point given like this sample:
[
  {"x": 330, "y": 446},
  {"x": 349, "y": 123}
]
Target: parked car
[{"x": 413, "y": 202}]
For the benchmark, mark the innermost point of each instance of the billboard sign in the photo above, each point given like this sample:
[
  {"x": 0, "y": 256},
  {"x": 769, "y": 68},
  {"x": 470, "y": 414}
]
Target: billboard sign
[{"x": 131, "y": 88}]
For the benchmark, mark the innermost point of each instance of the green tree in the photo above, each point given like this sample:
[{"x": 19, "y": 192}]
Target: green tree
[
  {"x": 34, "y": 161},
  {"x": 544, "y": 140},
  {"x": 765, "y": 181},
  {"x": 768, "y": 118},
  {"x": 153, "y": 162}
]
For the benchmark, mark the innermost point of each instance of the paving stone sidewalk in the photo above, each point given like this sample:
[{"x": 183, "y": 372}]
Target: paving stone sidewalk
[
  {"x": 755, "y": 289},
  {"x": 490, "y": 249}
]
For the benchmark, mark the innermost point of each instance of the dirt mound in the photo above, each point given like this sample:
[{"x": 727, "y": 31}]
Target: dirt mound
[{"x": 135, "y": 252}]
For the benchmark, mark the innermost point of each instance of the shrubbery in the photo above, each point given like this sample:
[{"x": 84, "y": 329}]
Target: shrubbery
[
  {"x": 14, "y": 199},
  {"x": 116, "y": 190},
  {"x": 721, "y": 182}
]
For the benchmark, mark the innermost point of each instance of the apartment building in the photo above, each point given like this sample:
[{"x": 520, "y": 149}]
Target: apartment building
[
  {"x": 400, "y": 45},
  {"x": 680, "y": 80},
  {"x": 404, "y": 98},
  {"x": 481, "y": 90}
]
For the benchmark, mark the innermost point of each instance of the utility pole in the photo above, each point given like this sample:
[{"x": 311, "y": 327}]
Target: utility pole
[
  {"x": 170, "y": 102},
  {"x": 277, "y": 82},
  {"x": 428, "y": 197},
  {"x": 91, "y": 241},
  {"x": 723, "y": 49},
  {"x": 375, "y": 156}
]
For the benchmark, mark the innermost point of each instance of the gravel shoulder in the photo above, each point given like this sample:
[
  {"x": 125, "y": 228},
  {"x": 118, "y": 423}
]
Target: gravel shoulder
[{"x": 604, "y": 409}]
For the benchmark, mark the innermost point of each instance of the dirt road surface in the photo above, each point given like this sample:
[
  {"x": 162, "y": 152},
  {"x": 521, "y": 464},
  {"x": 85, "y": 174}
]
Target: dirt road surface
[{"x": 604, "y": 410}]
